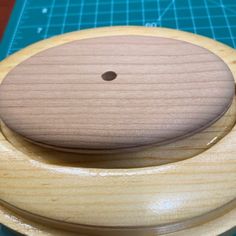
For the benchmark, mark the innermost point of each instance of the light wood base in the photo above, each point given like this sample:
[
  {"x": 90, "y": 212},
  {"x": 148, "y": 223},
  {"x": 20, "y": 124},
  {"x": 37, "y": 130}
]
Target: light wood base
[
  {"x": 198, "y": 193},
  {"x": 28, "y": 227}
]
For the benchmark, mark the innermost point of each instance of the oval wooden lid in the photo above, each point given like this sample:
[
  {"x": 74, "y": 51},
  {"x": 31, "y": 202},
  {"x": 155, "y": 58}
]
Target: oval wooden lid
[{"x": 115, "y": 92}]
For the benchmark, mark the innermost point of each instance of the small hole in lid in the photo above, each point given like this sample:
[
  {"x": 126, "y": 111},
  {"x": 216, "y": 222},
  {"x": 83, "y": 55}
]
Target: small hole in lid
[{"x": 109, "y": 75}]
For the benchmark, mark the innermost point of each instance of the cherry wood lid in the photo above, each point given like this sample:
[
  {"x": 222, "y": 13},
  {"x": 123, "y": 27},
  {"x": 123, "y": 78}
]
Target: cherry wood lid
[{"x": 116, "y": 92}]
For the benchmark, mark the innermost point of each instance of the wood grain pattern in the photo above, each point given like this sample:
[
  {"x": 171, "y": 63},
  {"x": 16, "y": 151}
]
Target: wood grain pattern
[
  {"x": 153, "y": 156},
  {"x": 165, "y": 89},
  {"x": 27, "y": 225},
  {"x": 147, "y": 198}
]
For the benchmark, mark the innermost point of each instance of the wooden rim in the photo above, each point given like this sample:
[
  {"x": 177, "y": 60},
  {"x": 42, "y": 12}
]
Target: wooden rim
[{"x": 212, "y": 174}]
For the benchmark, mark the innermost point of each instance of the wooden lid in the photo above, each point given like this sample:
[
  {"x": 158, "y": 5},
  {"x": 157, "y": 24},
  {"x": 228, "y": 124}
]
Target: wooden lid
[{"x": 116, "y": 92}]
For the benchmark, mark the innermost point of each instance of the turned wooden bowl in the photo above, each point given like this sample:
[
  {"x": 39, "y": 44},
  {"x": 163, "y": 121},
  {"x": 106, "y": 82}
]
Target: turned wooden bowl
[{"x": 119, "y": 131}]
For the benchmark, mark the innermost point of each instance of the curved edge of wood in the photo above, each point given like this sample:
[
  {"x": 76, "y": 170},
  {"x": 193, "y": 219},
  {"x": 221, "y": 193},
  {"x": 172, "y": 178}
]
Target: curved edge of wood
[
  {"x": 34, "y": 225},
  {"x": 155, "y": 156},
  {"x": 215, "y": 168}
]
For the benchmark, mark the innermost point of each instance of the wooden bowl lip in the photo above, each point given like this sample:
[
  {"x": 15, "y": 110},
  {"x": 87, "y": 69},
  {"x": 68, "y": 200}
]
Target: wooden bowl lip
[{"x": 226, "y": 53}]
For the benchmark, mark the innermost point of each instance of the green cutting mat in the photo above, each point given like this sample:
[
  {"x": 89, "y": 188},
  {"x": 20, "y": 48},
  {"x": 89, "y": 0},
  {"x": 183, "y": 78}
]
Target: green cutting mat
[{"x": 34, "y": 20}]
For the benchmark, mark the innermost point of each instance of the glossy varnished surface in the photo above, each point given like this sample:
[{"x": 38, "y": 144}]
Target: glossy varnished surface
[
  {"x": 163, "y": 89},
  {"x": 139, "y": 201},
  {"x": 152, "y": 156}
]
